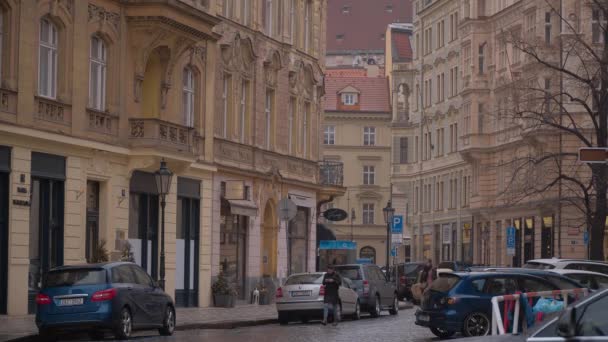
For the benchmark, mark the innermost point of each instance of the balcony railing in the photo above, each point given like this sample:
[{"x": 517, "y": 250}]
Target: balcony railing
[
  {"x": 158, "y": 133},
  {"x": 331, "y": 173}
]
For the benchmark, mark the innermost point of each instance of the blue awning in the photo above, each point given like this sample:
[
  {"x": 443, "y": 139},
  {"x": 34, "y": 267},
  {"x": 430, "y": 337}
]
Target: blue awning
[{"x": 337, "y": 244}]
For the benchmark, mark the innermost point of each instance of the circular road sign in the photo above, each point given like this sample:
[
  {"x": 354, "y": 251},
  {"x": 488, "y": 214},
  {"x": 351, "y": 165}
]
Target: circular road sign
[{"x": 335, "y": 214}]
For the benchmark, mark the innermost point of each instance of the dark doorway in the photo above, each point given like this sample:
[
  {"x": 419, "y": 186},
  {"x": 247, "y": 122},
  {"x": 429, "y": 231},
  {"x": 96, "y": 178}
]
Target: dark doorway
[
  {"x": 517, "y": 257},
  {"x": 187, "y": 247},
  {"x": 143, "y": 222},
  {"x": 4, "y": 196},
  {"x": 529, "y": 239},
  {"x": 297, "y": 243},
  {"x": 547, "y": 238},
  {"x": 92, "y": 229}
]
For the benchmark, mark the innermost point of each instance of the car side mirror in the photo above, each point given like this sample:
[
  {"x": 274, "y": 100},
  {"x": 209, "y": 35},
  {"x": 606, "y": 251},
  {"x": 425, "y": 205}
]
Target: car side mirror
[{"x": 566, "y": 325}]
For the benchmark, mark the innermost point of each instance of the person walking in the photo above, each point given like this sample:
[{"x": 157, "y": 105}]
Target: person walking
[
  {"x": 332, "y": 282},
  {"x": 429, "y": 273}
]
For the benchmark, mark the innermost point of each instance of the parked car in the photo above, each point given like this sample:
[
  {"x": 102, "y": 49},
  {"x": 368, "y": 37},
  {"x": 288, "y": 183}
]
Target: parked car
[
  {"x": 301, "y": 297},
  {"x": 376, "y": 291},
  {"x": 568, "y": 264},
  {"x": 461, "y": 302},
  {"x": 452, "y": 266},
  {"x": 585, "y": 320},
  {"x": 564, "y": 282},
  {"x": 590, "y": 280},
  {"x": 117, "y": 296},
  {"x": 407, "y": 274}
]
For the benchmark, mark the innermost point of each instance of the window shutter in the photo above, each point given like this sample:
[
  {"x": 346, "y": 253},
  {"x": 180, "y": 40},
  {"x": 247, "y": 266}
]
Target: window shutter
[{"x": 396, "y": 150}]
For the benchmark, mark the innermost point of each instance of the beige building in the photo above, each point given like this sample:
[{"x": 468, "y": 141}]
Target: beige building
[
  {"x": 464, "y": 143},
  {"x": 94, "y": 94},
  {"x": 356, "y": 133}
]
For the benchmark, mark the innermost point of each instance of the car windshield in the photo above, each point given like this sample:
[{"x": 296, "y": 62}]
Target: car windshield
[
  {"x": 411, "y": 270},
  {"x": 538, "y": 266},
  {"x": 350, "y": 272},
  {"x": 445, "y": 282},
  {"x": 71, "y": 277},
  {"x": 301, "y": 279}
]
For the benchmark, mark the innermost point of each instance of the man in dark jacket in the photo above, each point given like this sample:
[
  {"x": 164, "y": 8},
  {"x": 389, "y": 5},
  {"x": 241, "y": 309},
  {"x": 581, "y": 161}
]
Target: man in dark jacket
[{"x": 331, "y": 282}]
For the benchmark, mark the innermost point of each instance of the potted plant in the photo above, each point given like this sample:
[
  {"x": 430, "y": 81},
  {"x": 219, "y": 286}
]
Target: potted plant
[{"x": 223, "y": 293}]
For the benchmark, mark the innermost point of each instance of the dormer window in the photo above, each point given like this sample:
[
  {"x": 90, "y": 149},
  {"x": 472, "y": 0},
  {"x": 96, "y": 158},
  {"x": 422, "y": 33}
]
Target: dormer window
[{"x": 349, "y": 99}]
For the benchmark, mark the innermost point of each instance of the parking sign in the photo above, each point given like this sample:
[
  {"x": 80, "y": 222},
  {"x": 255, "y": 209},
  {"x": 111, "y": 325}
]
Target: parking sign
[{"x": 510, "y": 240}]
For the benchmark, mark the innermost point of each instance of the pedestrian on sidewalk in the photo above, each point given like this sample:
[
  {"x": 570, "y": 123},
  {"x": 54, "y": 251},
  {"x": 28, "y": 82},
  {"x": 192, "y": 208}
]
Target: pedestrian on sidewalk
[
  {"x": 429, "y": 273},
  {"x": 332, "y": 282}
]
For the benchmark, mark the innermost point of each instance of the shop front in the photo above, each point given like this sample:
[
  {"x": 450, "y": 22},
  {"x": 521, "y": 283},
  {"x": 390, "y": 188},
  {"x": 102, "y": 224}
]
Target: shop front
[
  {"x": 5, "y": 157},
  {"x": 187, "y": 242},
  {"x": 46, "y": 219},
  {"x": 143, "y": 221},
  {"x": 298, "y": 234}
]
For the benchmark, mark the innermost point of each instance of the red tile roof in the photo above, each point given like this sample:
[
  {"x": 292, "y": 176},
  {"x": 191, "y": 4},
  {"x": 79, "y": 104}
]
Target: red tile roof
[
  {"x": 365, "y": 22},
  {"x": 402, "y": 47},
  {"x": 346, "y": 72},
  {"x": 373, "y": 92}
]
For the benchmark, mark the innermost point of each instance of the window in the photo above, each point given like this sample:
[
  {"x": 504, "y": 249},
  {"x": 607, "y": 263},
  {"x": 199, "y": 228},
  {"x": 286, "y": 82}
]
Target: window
[
  {"x": 416, "y": 148},
  {"x": 530, "y": 24},
  {"x": 428, "y": 40},
  {"x": 268, "y": 108},
  {"x": 246, "y": 12},
  {"x": 403, "y": 146},
  {"x": 548, "y": 27},
  {"x": 369, "y": 136},
  {"x": 141, "y": 277},
  {"x": 533, "y": 285},
  {"x": 366, "y": 252},
  {"x": 598, "y": 25},
  {"x": 453, "y": 26},
  {"x": 305, "y": 119},
  {"x": 188, "y": 97},
  {"x": 368, "y": 213},
  {"x": 97, "y": 77},
  {"x": 349, "y": 99},
  {"x": 441, "y": 87},
  {"x": 416, "y": 199},
  {"x": 227, "y": 9},
  {"x": 417, "y": 52},
  {"x": 243, "y": 118},
  {"x": 47, "y": 63},
  {"x": 440, "y": 34},
  {"x": 388, "y": 8},
  {"x": 454, "y": 81},
  {"x": 329, "y": 135},
  {"x": 500, "y": 286},
  {"x": 502, "y": 54},
  {"x": 547, "y": 96},
  {"x": 292, "y": 132},
  {"x": 481, "y": 58},
  {"x": 268, "y": 18},
  {"x": 226, "y": 96},
  {"x": 307, "y": 25},
  {"x": 454, "y": 137},
  {"x": 123, "y": 275},
  {"x": 467, "y": 60},
  {"x": 417, "y": 99},
  {"x": 516, "y": 52},
  {"x": 369, "y": 175},
  {"x": 478, "y": 284},
  {"x": 292, "y": 20}
]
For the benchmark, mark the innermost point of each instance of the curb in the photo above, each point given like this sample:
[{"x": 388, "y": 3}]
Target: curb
[{"x": 189, "y": 326}]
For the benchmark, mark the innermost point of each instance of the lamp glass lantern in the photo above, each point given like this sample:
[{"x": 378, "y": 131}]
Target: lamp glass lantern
[
  {"x": 163, "y": 178},
  {"x": 389, "y": 213}
]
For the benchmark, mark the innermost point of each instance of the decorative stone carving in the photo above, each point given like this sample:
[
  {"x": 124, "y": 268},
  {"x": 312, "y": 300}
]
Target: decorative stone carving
[
  {"x": 101, "y": 14},
  {"x": 137, "y": 87},
  {"x": 164, "y": 90}
]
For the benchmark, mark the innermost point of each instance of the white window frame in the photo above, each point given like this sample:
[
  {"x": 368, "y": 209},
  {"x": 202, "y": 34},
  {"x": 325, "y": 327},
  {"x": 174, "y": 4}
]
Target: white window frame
[
  {"x": 369, "y": 175},
  {"x": 369, "y": 136},
  {"x": 98, "y": 66},
  {"x": 243, "y": 123},
  {"x": 368, "y": 213},
  {"x": 268, "y": 117},
  {"x": 329, "y": 135},
  {"x": 50, "y": 45},
  {"x": 188, "y": 90},
  {"x": 349, "y": 99}
]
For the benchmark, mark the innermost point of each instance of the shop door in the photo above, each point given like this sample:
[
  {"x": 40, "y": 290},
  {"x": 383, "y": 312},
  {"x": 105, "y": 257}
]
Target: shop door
[
  {"x": 92, "y": 228},
  {"x": 297, "y": 243},
  {"x": 517, "y": 256},
  {"x": 187, "y": 252},
  {"x": 529, "y": 239},
  {"x": 143, "y": 231},
  {"x": 4, "y": 177},
  {"x": 46, "y": 232}
]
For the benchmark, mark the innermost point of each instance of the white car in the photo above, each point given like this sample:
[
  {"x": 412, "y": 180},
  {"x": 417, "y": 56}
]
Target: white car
[
  {"x": 590, "y": 280},
  {"x": 301, "y": 297},
  {"x": 568, "y": 264}
]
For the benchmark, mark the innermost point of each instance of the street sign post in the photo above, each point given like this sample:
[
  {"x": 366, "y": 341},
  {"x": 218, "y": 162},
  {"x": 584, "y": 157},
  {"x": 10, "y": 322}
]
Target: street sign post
[
  {"x": 511, "y": 240},
  {"x": 593, "y": 155},
  {"x": 397, "y": 230}
]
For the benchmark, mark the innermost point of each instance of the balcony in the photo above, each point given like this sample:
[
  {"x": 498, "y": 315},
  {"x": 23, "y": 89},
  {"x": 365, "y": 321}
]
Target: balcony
[
  {"x": 331, "y": 173},
  {"x": 53, "y": 111},
  {"x": 102, "y": 122},
  {"x": 159, "y": 134}
]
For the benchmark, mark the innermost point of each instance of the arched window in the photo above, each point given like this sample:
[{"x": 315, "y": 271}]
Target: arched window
[
  {"x": 47, "y": 63},
  {"x": 188, "y": 97},
  {"x": 97, "y": 77},
  {"x": 368, "y": 252}
]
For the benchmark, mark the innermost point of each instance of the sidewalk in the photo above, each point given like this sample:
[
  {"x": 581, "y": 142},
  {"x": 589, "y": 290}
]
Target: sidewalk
[{"x": 13, "y": 327}]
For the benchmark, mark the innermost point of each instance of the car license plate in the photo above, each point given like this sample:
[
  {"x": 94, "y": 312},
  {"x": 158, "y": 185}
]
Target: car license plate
[
  {"x": 71, "y": 301},
  {"x": 300, "y": 293},
  {"x": 424, "y": 318}
]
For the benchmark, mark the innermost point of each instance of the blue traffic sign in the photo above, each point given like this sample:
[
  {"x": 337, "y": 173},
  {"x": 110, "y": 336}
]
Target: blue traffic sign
[
  {"x": 337, "y": 244},
  {"x": 511, "y": 240},
  {"x": 397, "y": 224},
  {"x": 394, "y": 251}
]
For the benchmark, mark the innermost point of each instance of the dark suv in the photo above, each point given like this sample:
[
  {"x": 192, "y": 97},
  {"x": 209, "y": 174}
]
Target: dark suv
[
  {"x": 376, "y": 292},
  {"x": 407, "y": 274}
]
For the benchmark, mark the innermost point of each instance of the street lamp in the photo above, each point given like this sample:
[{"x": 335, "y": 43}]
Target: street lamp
[
  {"x": 389, "y": 212},
  {"x": 163, "y": 183}
]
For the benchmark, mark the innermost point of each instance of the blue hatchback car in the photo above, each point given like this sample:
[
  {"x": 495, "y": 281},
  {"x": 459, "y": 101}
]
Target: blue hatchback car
[
  {"x": 119, "y": 297},
  {"x": 461, "y": 302}
]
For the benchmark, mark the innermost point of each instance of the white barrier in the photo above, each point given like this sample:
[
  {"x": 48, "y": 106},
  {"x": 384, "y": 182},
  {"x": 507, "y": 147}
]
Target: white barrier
[{"x": 497, "y": 323}]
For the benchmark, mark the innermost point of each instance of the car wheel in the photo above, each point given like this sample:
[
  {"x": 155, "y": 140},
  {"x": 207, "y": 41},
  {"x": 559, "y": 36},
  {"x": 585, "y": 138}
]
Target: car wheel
[
  {"x": 375, "y": 311},
  {"x": 442, "y": 333},
  {"x": 357, "y": 313},
  {"x": 168, "y": 322},
  {"x": 96, "y": 335},
  {"x": 394, "y": 310},
  {"x": 122, "y": 330},
  {"x": 283, "y": 318},
  {"x": 47, "y": 335},
  {"x": 476, "y": 324}
]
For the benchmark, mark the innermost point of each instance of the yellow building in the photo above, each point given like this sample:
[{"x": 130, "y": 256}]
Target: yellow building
[
  {"x": 356, "y": 133},
  {"x": 94, "y": 94}
]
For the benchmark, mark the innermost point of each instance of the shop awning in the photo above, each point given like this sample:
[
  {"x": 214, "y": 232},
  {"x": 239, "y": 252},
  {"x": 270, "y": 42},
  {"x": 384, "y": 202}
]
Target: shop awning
[{"x": 243, "y": 207}]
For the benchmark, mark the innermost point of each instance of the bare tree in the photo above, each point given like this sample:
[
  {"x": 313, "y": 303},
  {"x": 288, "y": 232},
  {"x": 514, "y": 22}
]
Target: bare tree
[{"x": 559, "y": 102}]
